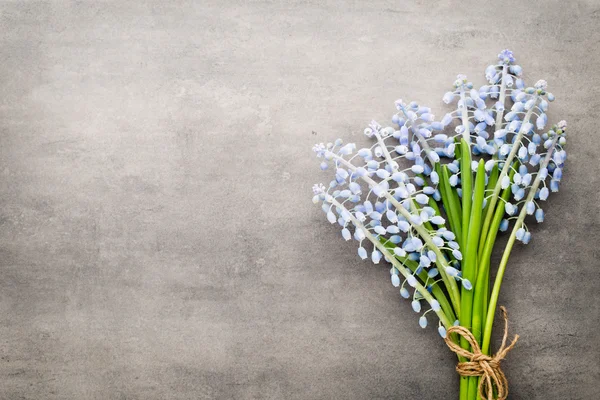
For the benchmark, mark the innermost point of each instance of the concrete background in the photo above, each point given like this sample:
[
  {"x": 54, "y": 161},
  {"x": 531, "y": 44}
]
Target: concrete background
[{"x": 157, "y": 236}]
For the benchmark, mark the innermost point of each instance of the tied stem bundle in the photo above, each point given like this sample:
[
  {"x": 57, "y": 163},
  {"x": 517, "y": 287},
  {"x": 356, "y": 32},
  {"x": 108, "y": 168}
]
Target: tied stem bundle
[{"x": 482, "y": 365}]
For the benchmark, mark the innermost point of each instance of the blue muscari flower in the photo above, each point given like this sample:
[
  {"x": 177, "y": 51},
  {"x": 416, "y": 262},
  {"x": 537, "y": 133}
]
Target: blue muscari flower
[
  {"x": 424, "y": 261},
  {"x": 438, "y": 241},
  {"x": 453, "y": 167},
  {"x": 557, "y": 174},
  {"x": 452, "y": 271},
  {"x": 541, "y": 121},
  {"x": 331, "y": 217},
  {"x": 514, "y": 126},
  {"x": 346, "y": 234},
  {"x": 541, "y": 85},
  {"x": 457, "y": 254},
  {"x": 500, "y": 133},
  {"x": 448, "y": 235},
  {"x": 372, "y": 129},
  {"x": 506, "y": 56},
  {"x": 519, "y": 193},
  {"x": 423, "y": 321},
  {"x": 442, "y": 331},
  {"x": 320, "y": 149},
  {"x": 411, "y": 280},
  {"x": 492, "y": 76},
  {"x": 362, "y": 253},
  {"x": 400, "y": 252},
  {"x": 530, "y": 207},
  {"x": 395, "y": 239},
  {"x": 422, "y": 198},
  {"x": 318, "y": 189},
  {"x": 448, "y": 97},
  {"x": 380, "y": 230},
  {"x": 416, "y": 306},
  {"x": 539, "y": 215},
  {"x": 404, "y": 293},
  {"x": 454, "y": 180},
  {"x": 510, "y": 209},
  {"x": 432, "y": 256},
  {"x": 535, "y": 159},
  {"x": 516, "y": 70}
]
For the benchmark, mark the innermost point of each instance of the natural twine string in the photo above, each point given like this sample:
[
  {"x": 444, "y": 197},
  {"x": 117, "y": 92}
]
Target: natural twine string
[{"x": 479, "y": 364}]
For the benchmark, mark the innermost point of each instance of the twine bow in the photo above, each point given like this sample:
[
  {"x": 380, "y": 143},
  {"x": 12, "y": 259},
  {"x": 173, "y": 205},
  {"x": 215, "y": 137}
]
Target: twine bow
[{"x": 479, "y": 364}]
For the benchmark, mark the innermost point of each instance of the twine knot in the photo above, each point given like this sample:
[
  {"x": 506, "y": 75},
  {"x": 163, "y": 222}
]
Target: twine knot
[{"x": 479, "y": 364}]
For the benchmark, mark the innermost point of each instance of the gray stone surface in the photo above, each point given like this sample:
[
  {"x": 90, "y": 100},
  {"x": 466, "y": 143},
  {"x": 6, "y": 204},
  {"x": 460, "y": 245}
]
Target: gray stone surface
[{"x": 157, "y": 237}]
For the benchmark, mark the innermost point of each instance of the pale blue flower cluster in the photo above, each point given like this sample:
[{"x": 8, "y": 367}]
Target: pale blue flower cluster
[
  {"x": 515, "y": 135},
  {"x": 394, "y": 211}
]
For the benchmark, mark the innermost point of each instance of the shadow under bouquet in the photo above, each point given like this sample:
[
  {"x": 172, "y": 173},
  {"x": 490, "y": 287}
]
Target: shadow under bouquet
[{"x": 429, "y": 197}]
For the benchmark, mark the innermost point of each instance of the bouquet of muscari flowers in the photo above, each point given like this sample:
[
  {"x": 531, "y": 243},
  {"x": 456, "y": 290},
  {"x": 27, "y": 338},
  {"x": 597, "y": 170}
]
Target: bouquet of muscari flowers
[{"x": 486, "y": 167}]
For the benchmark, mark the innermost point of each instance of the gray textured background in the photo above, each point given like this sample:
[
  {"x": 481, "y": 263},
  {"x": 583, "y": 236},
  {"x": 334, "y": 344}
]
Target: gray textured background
[{"x": 156, "y": 232}]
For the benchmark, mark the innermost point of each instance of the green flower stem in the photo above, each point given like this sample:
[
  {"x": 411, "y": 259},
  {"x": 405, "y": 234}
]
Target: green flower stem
[
  {"x": 466, "y": 300},
  {"x": 490, "y": 238},
  {"x": 485, "y": 285},
  {"x": 451, "y": 203},
  {"x": 453, "y": 194},
  {"x": 466, "y": 176},
  {"x": 466, "y": 182},
  {"x": 481, "y": 297},
  {"x": 440, "y": 261},
  {"x": 469, "y": 269},
  {"x": 487, "y": 332},
  {"x": 502, "y": 96},
  {"x": 480, "y": 301},
  {"x": 492, "y": 181},
  {"x": 457, "y": 149},
  {"x": 469, "y": 265},
  {"x": 507, "y": 164},
  {"x": 464, "y": 388}
]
